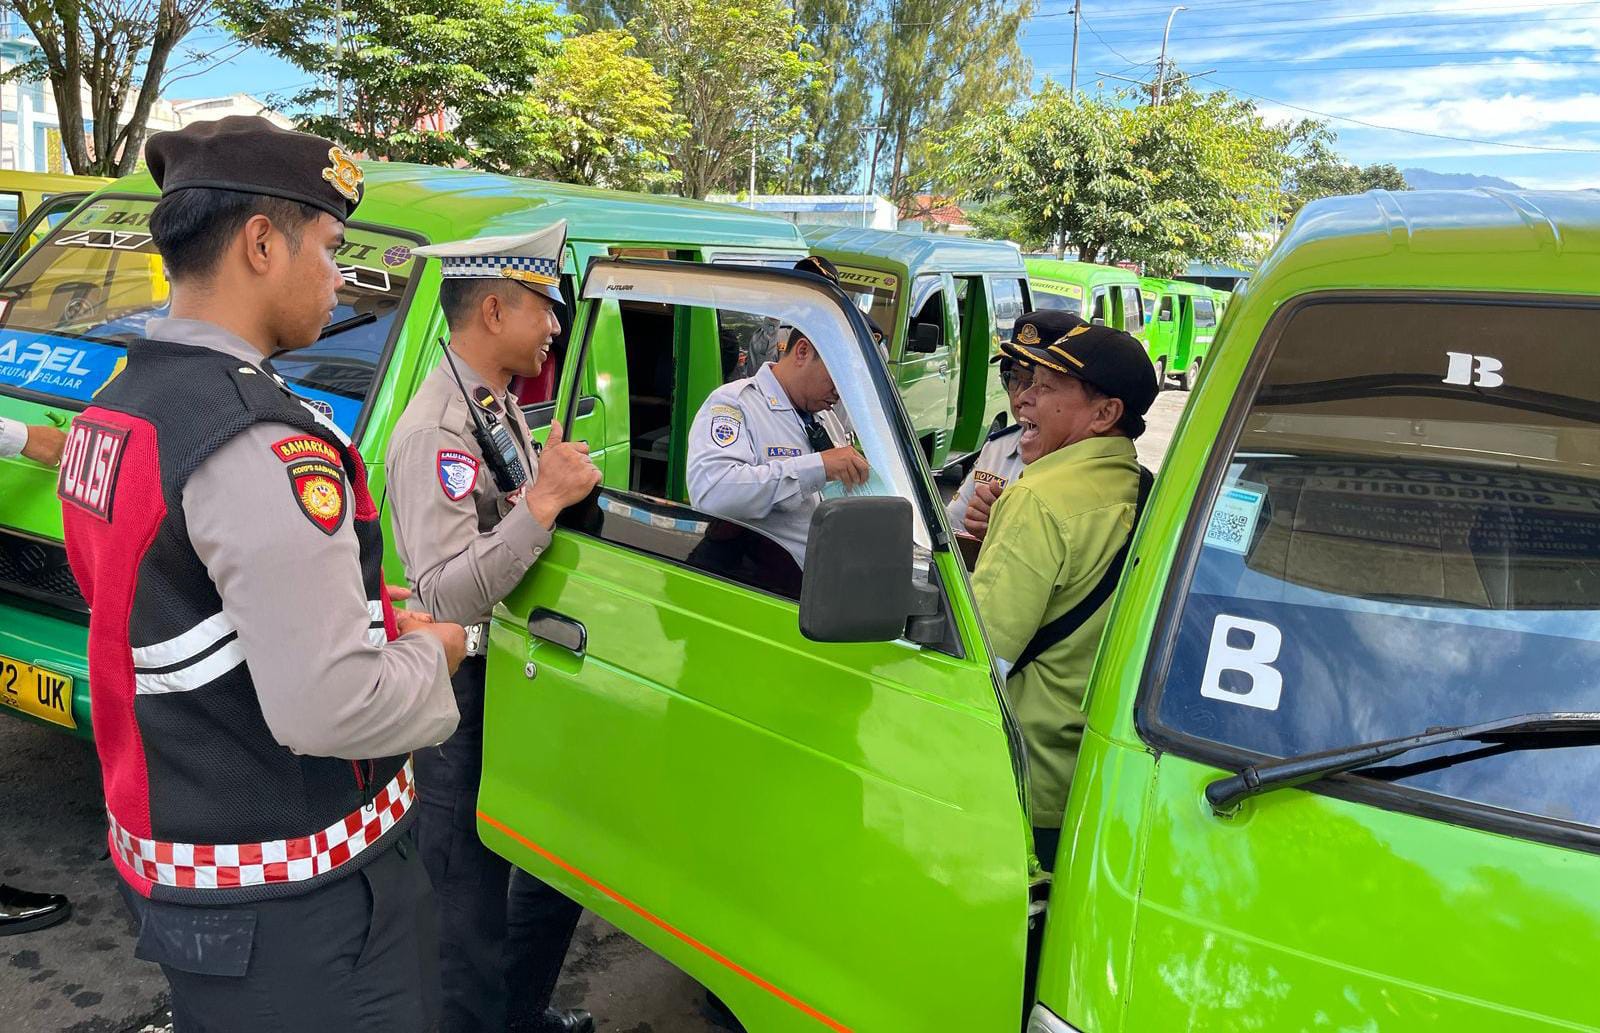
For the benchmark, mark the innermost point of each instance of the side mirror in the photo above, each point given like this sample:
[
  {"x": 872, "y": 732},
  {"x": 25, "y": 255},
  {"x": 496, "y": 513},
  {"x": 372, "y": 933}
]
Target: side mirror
[
  {"x": 925, "y": 337},
  {"x": 859, "y": 582}
]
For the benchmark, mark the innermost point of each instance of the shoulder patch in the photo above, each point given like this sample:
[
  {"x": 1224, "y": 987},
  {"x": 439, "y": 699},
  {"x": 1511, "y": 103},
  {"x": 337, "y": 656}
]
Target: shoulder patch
[
  {"x": 318, "y": 487},
  {"x": 458, "y": 473},
  {"x": 725, "y": 429},
  {"x": 303, "y": 446},
  {"x": 1004, "y": 431},
  {"x": 89, "y": 465}
]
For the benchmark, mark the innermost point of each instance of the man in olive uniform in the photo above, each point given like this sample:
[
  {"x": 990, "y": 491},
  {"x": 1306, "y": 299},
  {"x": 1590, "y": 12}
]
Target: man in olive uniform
[
  {"x": 1056, "y": 536},
  {"x": 256, "y": 697},
  {"x": 473, "y": 505}
]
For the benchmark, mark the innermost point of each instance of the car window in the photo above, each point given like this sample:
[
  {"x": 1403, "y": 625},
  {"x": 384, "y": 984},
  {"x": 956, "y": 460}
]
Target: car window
[
  {"x": 1205, "y": 312},
  {"x": 1132, "y": 309},
  {"x": 10, "y": 214},
  {"x": 1404, "y": 533},
  {"x": 1165, "y": 314},
  {"x": 1008, "y": 304},
  {"x": 76, "y": 301},
  {"x": 1058, "y": 297},
  {"x": 1098, "y": 306}
]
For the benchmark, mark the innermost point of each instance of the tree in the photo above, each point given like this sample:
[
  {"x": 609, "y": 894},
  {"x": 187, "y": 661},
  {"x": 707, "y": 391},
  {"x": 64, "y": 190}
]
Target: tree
[
  {"x": 603, "y": 117},
  {"x": 440, "y": 82},
  {"x": 1199, "y": 178},
  {"x": 97, "y": 45},
  {"x": 826, "y": 155},
  {"x": 1322, "y": 172},
  {"x": 739, "y": 71}
]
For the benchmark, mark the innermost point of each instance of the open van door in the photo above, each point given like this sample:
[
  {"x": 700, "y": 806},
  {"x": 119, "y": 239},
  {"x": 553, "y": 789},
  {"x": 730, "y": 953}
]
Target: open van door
[{"x": 821, "y": 832}]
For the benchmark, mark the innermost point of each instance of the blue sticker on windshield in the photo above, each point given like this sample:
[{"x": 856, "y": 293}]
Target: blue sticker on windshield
[{"x": 63, "y": 367}]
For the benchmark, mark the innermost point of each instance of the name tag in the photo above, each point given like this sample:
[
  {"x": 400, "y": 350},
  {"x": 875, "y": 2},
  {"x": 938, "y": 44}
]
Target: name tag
[
  {"x": 985, "y": 477},
  {"x": 775, "y": 452}
]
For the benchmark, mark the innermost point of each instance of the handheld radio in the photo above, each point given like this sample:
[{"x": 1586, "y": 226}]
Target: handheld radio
[{"x": 489, "y": 431}]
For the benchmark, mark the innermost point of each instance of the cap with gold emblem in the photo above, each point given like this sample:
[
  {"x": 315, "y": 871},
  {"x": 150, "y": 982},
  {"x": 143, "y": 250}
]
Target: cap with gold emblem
[
  {"x": 533, "y": 259},
  {"x": 1111, "y": 360},
  {"x": 251, "y": 155}
]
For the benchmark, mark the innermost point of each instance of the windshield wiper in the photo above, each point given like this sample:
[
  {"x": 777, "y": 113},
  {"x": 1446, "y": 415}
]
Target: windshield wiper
[
  {"x": 359, "y": 319},
  {"x": 1225, "y": 794}
]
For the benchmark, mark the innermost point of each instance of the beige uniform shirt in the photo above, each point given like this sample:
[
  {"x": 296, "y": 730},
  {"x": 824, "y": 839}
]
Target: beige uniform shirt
[
  {"x": 328, "y": 687},
  {"x": 465, "y": 543}
]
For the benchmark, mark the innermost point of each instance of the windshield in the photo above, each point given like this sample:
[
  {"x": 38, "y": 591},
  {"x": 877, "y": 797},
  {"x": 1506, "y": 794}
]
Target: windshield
[
  {"x": 874, "y": 293},
  {"x": 1407, "y": 535},
  {"x": 1061, "y": 297},
  {"x": 72, "y": 307}
]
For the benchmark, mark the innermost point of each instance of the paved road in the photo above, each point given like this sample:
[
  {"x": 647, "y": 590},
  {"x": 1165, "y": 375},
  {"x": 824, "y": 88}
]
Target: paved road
[{"x": 81, "y": 977}]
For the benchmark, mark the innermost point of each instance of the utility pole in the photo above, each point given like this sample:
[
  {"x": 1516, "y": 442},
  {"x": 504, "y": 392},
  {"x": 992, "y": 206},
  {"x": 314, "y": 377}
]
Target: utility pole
[
  {"x": 1077, "y": 9},
  {"x": 1161, "y": 64}
]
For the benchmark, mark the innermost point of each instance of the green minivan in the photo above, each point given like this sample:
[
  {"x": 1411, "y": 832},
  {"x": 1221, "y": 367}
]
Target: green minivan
[
  {"x": 75, "y": 300},
  {"x": 945, "y": 303},
  {"x": 1098, "y": 293},
  {"x": 1183, "y": 323},
  {"x": 1332, "y": 768}
]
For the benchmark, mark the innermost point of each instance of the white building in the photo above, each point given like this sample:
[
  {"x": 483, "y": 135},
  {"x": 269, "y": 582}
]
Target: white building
[{"x": 873, "y": 212}]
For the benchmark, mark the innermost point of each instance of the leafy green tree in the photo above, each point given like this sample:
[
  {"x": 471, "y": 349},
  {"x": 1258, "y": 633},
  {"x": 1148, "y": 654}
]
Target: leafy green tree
[
  {"x": 100, "y": 47},
  {"x": 435, "y": 81},
  {"x": 1322, "y": 172},
  {"x": 603, "y": 117},
  {"x": 826, "y": 155},
  {"x": 740, "y": 73}
]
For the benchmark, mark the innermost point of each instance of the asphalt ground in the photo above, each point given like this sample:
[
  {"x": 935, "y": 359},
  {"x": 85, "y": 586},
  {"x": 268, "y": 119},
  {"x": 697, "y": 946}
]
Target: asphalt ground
[{"x": 81, "y": 977}]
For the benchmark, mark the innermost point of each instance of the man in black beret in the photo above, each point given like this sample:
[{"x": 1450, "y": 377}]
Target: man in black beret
[
  {"x": 256, "y": 696},
  {"x": 1056, "y": 535}
]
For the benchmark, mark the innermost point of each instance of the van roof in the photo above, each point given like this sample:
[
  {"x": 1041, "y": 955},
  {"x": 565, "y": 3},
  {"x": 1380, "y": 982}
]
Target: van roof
[
  {"x": 1084, "y": 273},
  {"x": 1439, "y": 240},
  {"x": 914, "y": 251},
  {"x": 451, "y": 204},
  {"x": 48, "y": 182},
  {"x": 1165, "y": 286}
]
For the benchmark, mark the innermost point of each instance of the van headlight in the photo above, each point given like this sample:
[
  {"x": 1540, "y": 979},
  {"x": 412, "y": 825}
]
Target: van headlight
[{"x": 1043, "y": 1020}]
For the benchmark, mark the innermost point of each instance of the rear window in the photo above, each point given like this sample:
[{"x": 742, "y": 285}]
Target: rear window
[
  {"x": 1406, "y": 534},
  {"x": 77, "y": 300}
]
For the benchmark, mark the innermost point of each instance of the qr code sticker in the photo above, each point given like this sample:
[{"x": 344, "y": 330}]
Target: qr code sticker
[{"x": 1233, "y": 522}]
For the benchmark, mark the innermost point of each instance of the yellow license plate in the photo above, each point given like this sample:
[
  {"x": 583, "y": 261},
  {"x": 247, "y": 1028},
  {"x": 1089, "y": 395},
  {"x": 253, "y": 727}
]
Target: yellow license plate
[{"x": 34, "y": 690}]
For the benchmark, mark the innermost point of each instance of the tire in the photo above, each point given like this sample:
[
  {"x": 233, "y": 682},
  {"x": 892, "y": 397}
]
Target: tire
[{"x": 1189, "y": 377}]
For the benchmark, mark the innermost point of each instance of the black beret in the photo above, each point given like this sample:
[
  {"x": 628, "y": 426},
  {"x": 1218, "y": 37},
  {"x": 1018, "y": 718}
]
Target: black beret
[
  {"x": 1113, "y": 361},
  {"x": 251, "y": 155}
]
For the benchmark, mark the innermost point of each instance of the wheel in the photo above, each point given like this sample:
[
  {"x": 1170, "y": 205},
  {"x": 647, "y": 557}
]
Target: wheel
[
  {"x": 1161, "y": 374},
  {"x": 1189, "y": 377}
]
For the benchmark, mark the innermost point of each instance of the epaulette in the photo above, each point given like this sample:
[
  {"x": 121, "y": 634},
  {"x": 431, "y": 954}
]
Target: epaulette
[{"x": 1002, "y": 432}]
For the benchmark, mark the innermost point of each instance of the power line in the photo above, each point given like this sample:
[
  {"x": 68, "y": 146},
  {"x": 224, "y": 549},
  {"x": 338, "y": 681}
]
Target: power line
[
  {"x": 1397, "y": 129},
  {"x": 1125, "y": 13},
  {"x": 1325, "y": 29},
  {"x": 1314, "y": 64},
  {"x": 1095, "y": 33}
]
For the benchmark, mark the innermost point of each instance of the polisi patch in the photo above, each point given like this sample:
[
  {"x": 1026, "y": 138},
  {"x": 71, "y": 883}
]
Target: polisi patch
[
  {"x": 319, "y": 492},
  {"x": 302, "y": 446},
  {"x": 779, "y": 452},
  {"x": 89, "y": 464},
  {"x": 724, "y": 430},
  {"x": 458, "y": 473}
]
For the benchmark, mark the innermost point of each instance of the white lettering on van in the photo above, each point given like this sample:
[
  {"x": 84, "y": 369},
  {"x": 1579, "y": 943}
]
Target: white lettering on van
[
  {"x": 1474, "y": 370},
  {"x": 1252, "y": 660}
]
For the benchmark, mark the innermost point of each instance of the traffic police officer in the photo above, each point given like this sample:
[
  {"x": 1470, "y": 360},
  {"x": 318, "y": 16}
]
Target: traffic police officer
[
  {"x": 256, "y": 697},
  {"x": 473, "y": 505},
  {"x": 761, "y": 448}
]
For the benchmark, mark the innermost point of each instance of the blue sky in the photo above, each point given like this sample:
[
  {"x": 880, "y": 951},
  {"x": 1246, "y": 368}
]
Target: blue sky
[{"x": 1499, "y": 79}]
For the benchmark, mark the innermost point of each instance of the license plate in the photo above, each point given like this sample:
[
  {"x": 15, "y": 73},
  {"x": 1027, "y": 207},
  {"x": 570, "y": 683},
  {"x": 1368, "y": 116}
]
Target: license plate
[{"x": 34, "y": 690}]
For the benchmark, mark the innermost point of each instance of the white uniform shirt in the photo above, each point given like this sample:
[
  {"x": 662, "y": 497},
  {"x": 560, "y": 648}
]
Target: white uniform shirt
[
  {"x": 749, "y": 460},
  {"x": 998, "y": 462},
  {"x": 13, "y": 436}
]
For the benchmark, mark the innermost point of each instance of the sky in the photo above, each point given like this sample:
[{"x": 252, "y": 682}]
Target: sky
[{"x": 1502, "y": 89}]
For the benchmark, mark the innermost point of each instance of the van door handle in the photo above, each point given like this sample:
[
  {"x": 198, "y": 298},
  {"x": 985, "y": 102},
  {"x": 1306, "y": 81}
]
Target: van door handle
[{"x": 558, "y": 629}]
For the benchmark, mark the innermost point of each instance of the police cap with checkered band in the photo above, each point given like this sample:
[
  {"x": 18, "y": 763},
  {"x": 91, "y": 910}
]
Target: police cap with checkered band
[
  {"x": 249, "y": 154},
  {"x": 1112, "y": 361},
  {"x": 532, "y": 259}
]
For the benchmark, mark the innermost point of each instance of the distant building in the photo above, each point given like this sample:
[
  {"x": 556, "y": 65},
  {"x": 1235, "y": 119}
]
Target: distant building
[
  {"x": 874, "y": 212},
  {"x": 928, "y": 213}
]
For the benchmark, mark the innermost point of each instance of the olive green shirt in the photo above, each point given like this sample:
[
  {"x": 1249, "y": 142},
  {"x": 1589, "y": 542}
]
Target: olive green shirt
[{"x": 1052, "y": 534}]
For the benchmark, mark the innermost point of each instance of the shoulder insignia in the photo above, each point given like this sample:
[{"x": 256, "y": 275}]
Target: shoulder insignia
[
  {"x": 303, "y": 445},
  {"x": 89, "y": 465},
  {"x": 486, "y": 400},
  {"x": 727, "y": 410},
  {"x": 319, "y": 492},
  {"x": 725, "y": 429},
  {"x": 1004, "y": 431},
  {"x": 458, "y": 473}
]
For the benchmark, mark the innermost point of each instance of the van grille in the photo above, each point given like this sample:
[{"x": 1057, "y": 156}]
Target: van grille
[{"x": 37, "y": 569}]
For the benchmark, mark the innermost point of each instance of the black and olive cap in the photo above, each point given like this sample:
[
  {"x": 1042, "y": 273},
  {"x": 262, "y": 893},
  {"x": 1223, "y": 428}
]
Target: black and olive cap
[
  {"x": 249, "y": 154},
  {"x": 1112, "y": 361}
]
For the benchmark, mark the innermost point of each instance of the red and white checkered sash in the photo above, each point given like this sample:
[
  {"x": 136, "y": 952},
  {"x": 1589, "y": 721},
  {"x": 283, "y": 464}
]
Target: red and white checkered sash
[{"x": 226, "y": 865}]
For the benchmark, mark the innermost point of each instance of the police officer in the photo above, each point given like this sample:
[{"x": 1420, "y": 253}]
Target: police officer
[
  {"x": 474, "y": 503},
  {"x": 761, "y": 448},
  {"x": 256, "y": 697}
]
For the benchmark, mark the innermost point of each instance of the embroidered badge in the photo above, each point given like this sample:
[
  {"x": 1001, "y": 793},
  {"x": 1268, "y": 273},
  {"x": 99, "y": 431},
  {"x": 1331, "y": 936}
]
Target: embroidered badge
[
  {"x": 302, "y": 446},
  {"x": 724, "y": 430},
  {"x": 89, "y": 465},
  {"x": 458, "y": 474},
  {"x": 1029, "y": 334},
  {"x": 344, "y": 174},
  {"x": 985, "y": 477},
  {"x": 776, "y": 452},
  {"x": 319, "y": 491}
]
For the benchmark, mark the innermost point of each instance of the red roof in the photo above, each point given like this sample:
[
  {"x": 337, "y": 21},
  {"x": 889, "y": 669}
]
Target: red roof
[{"x": 934, "y": 209}]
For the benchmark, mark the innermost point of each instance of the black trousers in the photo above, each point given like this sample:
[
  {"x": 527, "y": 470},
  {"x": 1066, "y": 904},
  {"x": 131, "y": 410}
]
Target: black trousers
[
  {"x": 358, "y": 955},
  {"x": 503, "y": 934}
]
